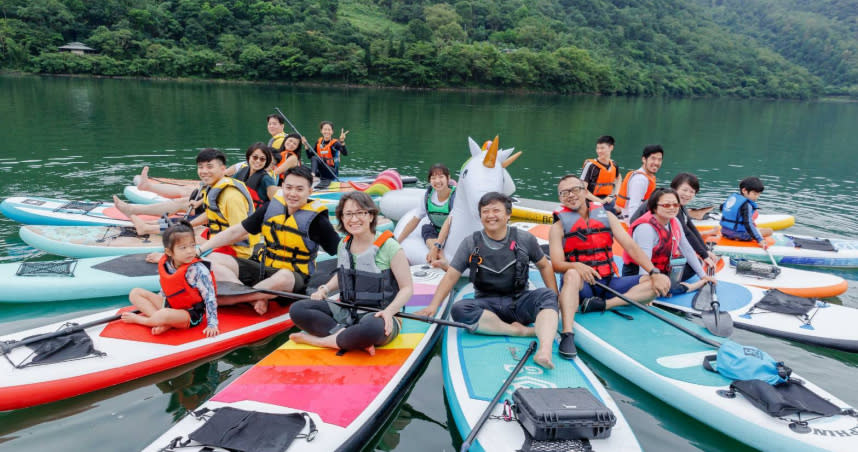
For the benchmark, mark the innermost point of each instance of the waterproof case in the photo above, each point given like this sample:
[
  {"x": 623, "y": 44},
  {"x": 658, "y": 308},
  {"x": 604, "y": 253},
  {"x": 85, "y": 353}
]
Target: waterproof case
[
  {"x": 562, "y": 413},
  {"x": 677, "y": 267}
]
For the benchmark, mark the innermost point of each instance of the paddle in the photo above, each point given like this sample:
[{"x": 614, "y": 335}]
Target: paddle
[
  {"x": 309, "y": 148},
  {"x": 8, "y": 347},
  {"x": 772, "y": 258},
  {"x": 640, "y": 306},
  {"x": 474, "y": 431},
  {"x": 227, "y": 288},
  {"x": 715, "y": 320}
]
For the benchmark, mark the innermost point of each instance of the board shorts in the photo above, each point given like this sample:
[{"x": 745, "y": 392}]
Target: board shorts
[
  {"x": 620, "y": 284},
  {"x": 249, "y": 274},
  {"x": 733, "y": 235},
  {"x": 428, "y": 231},
  {"x": 197, "y": 312},
  {"x": 523, "y": 310}
]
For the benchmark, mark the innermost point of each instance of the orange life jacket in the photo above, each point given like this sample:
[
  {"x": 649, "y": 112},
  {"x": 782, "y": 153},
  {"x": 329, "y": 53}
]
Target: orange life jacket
[
  {"x": 589, "y": 241},
  {"x": 623, "y": 195},
  {"x": 606, "y": 178},
  {"x": 667, "y": 247},
  {"x": 180, "y": 294},
  {"x": 326, "y": 152}
]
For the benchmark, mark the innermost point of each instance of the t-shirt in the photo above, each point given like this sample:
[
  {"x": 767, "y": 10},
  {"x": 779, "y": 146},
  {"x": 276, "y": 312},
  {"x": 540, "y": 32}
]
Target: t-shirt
[
  {"x": 321, "y": 231},
  {"x": 434, "y": 200},
  {"x": 385, "y": 253},
  {"x": 646, "y": 238},
  {"x": 526, "y": 241},
  {"x": 590, "y": 174},
  {"x": 638, "y": 183},
  {"x": 233, "y": 206},
  {"x": 266, "y": 181}
]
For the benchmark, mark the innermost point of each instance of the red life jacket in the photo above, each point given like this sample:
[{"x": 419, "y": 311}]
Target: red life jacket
[
  {"x": 667, "y": 247},
  {"x": 180, "y": 294},
  {"x": 590, "y": 241},
  {"x": 326, "y": 152}
]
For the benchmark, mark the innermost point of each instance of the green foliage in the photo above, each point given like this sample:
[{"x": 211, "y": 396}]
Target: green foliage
[{"x": 745, "y": 48}]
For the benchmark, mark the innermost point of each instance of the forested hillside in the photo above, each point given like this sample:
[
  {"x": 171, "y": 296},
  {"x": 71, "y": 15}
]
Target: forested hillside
[{"x": 748, "y": 48}]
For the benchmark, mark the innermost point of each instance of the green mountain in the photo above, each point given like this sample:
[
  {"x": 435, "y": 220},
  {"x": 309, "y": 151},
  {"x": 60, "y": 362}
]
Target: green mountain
[{"x": 748, "y": 48}]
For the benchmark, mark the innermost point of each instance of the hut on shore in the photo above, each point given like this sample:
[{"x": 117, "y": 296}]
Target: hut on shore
[{"x": 77, "y": 48}]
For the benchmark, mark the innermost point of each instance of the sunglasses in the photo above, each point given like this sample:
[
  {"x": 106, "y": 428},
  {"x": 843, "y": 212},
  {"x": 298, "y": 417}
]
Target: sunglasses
[{"x": 258, "y": 158}]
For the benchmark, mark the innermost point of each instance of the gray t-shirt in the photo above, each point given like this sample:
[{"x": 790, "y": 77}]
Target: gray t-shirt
[{"x": 526, "y": 241}]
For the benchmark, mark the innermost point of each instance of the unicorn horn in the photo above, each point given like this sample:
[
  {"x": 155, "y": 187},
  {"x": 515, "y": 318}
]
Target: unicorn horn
[
  {"x": 511, "y": 159},
  {"x": 492, "y": 154}
]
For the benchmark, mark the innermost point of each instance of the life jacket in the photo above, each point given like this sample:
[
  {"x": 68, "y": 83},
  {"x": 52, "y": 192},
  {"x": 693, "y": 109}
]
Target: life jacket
[
  {"x": 217, "y": 221},
  {"x": 667, "y": 247},
  {"x": 623, "y": 195},
  {"x": 589, "y": 242},
  {"x": 438, "y": 214},
  {"x": 605, "y": 180},
  {"x": 733, "y": 215},
  {"x": 287, "y": 239},
  {"x": 326, "y": 152},
  {"x": 180, "y": 294},
  {"x": 499, "y": 272},
  {"x": 253, "y": 183},
  {"x": 279, "y": 147},
  {"x": 361, "y": 282}
]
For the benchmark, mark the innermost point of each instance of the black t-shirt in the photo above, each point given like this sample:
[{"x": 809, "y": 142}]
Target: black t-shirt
[
  {"x": 321, "y": 230},
  {"x": 591, "y": 175}
]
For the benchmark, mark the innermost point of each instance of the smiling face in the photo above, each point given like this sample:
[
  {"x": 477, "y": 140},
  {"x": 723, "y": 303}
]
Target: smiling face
[
  {"x": 274, "y": 126},
  {"x": 686, "y": 194},
  {"x": 327, "y": 131},
  {"x": 291, "y": 143},
  {"x": 210, "y": 172},
  {"x": 257, "y": 160},
  {"x": 494, "y": 217},
  {"x": 603, "y": 151},
  {"x": 439, "y": 181},
  {"x": 572, "y": 193},
  {"x": 667, "y": 207},
  {"x": 652, "y": 163},
  {"x": 356, "y": 219},
  {"x": 183, "y": 250},
  {"x": 296, "y": 192}
]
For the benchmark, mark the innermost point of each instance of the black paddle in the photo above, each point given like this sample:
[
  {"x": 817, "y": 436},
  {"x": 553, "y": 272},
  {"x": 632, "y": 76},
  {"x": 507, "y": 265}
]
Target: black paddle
[
  {"x": 227, "y": 288},
  {"x": 309, "y": 148},
  {"x": 8, "y": 347},
  {"x": 466, "y": 445},
  {"x": 651, "y": 312},
  {"x": 715, "y": 320}
]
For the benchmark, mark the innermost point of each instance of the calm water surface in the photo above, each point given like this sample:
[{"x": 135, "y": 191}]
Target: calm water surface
[{"x": 86, "y": 139}]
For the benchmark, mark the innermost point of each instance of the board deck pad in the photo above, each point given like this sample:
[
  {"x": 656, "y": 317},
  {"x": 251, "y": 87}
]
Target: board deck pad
[
  {"x": 230, "y": 318},
  {"x": 131, "y": 265}
]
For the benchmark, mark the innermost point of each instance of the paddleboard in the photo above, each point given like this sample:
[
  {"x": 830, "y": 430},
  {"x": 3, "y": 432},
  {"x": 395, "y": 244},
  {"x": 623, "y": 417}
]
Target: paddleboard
[
  {"x": 772, "y": 221},
  {"x": 475, "y": 366},
  {"x": 666, "y": 362},
  {"x": 63, "y": 212},
  {"x": 126, "y": 352},
  {"x": 783, "y": 248},
  {"x": 793, "y": 281},
  {"x": 347, "y": 396},
  {"x": 95, "y": 241},
  {"x": 825, "y": 325}
]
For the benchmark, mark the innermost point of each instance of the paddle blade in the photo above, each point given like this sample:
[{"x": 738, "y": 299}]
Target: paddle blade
[
  {"x": 703, "y": 298},
  {"x": 717, "y": 322}
]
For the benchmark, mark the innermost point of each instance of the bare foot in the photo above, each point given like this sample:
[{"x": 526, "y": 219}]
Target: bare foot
[
  {"x": 260, "y": 306},
  {"x": 130, "y": 317},
  {"x": 143, "y": 179},
  {"x": 522, "y": 330},
  {"x": 122, "y": 206},
  {"x": 370, "y": 350},
  {"x": 156, "y": 330},
  {"x": 299, "y": 337},
  {"x": 139, "y": 225},
  {"x": 543, "y": 358}
]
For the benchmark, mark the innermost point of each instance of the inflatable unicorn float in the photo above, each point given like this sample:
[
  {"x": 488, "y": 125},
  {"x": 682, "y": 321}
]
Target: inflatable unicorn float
[{"x": 485, "y": 171}]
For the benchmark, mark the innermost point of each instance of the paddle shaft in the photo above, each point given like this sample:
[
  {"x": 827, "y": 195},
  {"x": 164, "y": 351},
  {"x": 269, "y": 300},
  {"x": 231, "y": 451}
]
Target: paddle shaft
[
  {"x": 6, "y": 348},
  {"x": 404, "y": 315},
  {"x": 466, "y": 445},
  {"x": 772, "y": 258},
  {"x": 640, "y": 306},
  {"x": 331, "y": 170}
]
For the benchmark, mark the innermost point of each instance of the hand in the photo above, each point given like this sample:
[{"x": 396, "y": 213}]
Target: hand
[
  {"x": 710, "y": 263},
  {"x": 710, "y": 279},
  {"x": 211, "y": 331},
  {"x": 343, "y": 134},
  {"x": 660, "y": 284},
  {"x": 588, "y": 273},
  {"x": 153, "y": 258},
  {"x": 388, "y": 321},
  {"x": 441, "y": 263},
  {"x": 763, "y": 244},
  {"x": 195, "y": 203},
  {"x": 319, "y": 294},
  {"x": 428, "y": 311},
  {"x": 304, "y": 140}
]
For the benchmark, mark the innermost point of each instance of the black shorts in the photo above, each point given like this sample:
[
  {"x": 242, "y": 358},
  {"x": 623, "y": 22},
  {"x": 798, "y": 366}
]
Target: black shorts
[
  {"x": 249, "y": 274},
  {"x": 197, "y": 312},
  {"x": 522, "y": 310},
  {"x": 429, "y": 231}
]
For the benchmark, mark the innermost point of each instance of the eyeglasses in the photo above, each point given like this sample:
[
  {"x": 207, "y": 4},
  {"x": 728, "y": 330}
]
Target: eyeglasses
[
  {"x": 356, "y": 214},
  {"x": 258, "y": 158},
  {"x": 670, "y": 205},
  {"x": 575, "y": 190}
]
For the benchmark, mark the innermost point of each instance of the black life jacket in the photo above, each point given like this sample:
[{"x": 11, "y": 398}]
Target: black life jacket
[
  {"x": 501, "y": 272},
  {"x": 362, "y": 283}
]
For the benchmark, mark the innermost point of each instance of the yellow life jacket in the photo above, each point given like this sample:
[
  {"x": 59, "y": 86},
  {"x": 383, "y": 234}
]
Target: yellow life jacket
[
  {"x": 287, "y": 239},
  {"x": 217, "y": 220}
]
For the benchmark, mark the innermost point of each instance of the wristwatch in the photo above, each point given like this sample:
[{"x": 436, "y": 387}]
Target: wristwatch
[
  {"x": 654, "y": 271},
  {"x": 438, "y": 245}
]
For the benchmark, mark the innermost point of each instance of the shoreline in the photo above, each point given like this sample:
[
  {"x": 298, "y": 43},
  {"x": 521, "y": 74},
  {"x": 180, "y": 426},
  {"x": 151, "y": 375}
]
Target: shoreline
[{"x": 447, "y": 89}]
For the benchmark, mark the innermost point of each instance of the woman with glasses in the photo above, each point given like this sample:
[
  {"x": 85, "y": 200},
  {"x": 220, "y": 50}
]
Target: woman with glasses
[
  {"x": 372, "y": 271},
  {"x": 255, "y": 175},
  {"x": 661, "y": 237}
]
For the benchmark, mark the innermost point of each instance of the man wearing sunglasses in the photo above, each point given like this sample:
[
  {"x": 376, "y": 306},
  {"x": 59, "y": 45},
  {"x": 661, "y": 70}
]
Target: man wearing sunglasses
[{"x": 580, "y": 247}]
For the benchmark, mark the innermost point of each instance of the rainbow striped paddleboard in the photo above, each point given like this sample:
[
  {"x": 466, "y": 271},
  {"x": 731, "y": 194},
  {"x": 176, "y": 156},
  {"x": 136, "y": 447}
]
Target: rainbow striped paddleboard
[
  {"x": 347, "y": 396},
  {"x": 475, "y": 366},
  {"x": 124, "y": 352}
]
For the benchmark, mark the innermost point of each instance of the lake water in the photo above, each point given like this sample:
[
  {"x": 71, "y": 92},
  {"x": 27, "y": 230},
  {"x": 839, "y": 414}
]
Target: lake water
[{"x": 85, "y": 139}]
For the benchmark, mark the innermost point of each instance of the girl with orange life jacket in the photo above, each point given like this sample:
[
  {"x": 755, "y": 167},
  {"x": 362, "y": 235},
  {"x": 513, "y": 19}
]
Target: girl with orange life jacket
[
  {"x": 327, "y": 152},
  {"x": 661, "y": 237},
  {"x": 287, "y": 155},
  {"x": 188, "y": 293},
  {"x": 254, "y": 173}
]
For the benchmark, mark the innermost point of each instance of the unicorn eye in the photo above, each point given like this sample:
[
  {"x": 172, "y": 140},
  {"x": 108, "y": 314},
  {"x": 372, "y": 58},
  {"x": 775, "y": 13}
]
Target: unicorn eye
[{"x": 464, "y": 173}]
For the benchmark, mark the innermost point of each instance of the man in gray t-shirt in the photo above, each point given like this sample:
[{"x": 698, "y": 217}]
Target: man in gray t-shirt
[{"x": 499, "y": 257}]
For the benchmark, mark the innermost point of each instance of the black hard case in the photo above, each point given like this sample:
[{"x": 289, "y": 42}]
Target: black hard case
[{"x": 562, "y": 413}]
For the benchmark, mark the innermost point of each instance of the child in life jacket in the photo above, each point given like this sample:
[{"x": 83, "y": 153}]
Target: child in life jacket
[
  {"x": 325, "y": 154},
  {"x": 188, "y": 292},
  {"x": 739, "y": 212}
]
